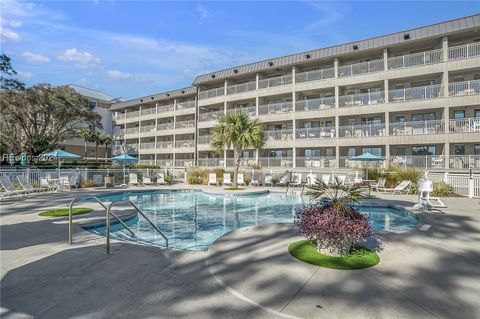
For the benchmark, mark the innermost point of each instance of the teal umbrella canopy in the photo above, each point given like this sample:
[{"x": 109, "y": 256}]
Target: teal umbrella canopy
[
  {"x": 58, "y": 153},
  {"x": 367, "y": 157},
  {"x": 124, "y": 158}
]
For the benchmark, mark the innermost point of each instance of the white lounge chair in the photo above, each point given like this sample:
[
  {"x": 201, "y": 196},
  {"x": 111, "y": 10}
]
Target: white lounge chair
[
  {"x": 64, "y": 183},
  {"x": 284, "y": 180},
  {"x": 147, "y": 181},
  {"x": 297, "y": 180},
  {"x": 311, "y": 179},
  {"x": 240, "y": 179},
  {"x": 226, "y": 179},
  {"x": 46, "y": 185},
  {"x": 212, "y": 179},
  {"x": 10, "y": 189},
  {"x": 402, "y": 188},
  {"x": 357, "y": 180},
  {"x": 268, "y": 180},
  {"x": 379, "y": 185},
  {"x": 26, "y": 186},
  {"x": 73, "y": 181},
  {"x": 161, "y": 179},
  {"x": 133, "y": 179},
  {"x": 326, "y": 179},
  {"x": 255, "y": 180}
]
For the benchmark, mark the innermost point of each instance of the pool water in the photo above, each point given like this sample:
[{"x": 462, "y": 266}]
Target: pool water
[{"x": 193, "y": 220}]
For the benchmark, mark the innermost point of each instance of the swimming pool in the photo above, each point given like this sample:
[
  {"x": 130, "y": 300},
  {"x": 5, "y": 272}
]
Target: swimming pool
[{"x": 193, "y": 220}]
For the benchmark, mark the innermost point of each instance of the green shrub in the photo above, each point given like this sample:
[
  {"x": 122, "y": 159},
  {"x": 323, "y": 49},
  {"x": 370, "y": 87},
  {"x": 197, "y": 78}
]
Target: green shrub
[
  {"x": 87, "y": 184},
  {"x": 200, "y": 176},
  {"x": 442, "y": 189}
]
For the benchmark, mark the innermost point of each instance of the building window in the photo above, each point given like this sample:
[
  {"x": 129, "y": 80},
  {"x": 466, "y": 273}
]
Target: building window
[
  {"x": 92, "y": 104},
  {"x": 476, "y": 149},
  {"x": 329, "y": 151},
  {"x": 459, "y": 114},
  {"x": 423, "y": 117},
  {"x": 377, "y": 151},
  {"x": 400, "y": 119},
  {"x": 352, "y": 151},
  {"x": 459, "y": 149},
  {"x": 400, "y": 151},
  {"x": 312, "y": 153},
  {"x": 477, "y": 113},
  {"x": 424, "y": 150}
]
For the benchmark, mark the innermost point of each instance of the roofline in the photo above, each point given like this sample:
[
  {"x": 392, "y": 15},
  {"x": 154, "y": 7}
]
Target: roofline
[
  {"x": 432, "y": 30},
  {"x": 162, "y": 96},
  {"x": 86, "y": 88}
]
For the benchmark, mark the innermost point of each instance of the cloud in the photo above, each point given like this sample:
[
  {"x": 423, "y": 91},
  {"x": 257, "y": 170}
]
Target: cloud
[
  {"x": 35, "y": 58},
  {"x": 7, "y": 34},
  {"x": 14, "y": 23},
  {"x": 203, "y": 12},
  {"x": 118, "y": 75},
  {"x": 24, "y": 75},
  {"x": 83, "y": 60}
]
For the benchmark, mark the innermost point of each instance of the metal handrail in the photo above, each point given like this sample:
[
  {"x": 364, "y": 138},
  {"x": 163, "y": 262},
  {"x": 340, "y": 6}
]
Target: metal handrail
[
  {"x": 70, "y": 216},
  {"x": 107, "y": 223}
]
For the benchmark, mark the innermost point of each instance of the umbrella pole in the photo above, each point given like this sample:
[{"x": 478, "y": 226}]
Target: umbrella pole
[{"x": 124, "y": 172}]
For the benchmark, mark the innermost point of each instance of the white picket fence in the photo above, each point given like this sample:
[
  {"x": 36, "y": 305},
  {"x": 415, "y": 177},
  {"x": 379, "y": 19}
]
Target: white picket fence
[{"x": 463, "y": 184}]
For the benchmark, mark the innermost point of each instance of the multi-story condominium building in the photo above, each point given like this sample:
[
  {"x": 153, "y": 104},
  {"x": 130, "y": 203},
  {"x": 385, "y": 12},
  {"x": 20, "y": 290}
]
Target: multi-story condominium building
[{"x": 411, "y": 96}]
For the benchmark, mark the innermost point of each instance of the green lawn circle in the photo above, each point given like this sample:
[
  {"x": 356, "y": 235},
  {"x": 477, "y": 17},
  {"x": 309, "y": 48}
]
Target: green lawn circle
[
  {"x": 306, "y": 251},
  {"x": 59, "y": 212}
]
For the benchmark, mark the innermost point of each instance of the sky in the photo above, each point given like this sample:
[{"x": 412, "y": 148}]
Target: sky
[{"x": 130, "y": 49}]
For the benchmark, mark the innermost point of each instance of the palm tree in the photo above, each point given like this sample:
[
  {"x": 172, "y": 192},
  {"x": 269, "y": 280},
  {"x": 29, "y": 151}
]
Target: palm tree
[
  {"x": 105, "y": 139},
  {"x": 96, "y": 139},
  {"x": 237, "y": 131},
  {"x": 86, "y": 134}
]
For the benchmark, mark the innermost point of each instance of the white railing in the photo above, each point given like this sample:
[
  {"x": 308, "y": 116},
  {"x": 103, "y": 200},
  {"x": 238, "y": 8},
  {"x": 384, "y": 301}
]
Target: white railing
[
  {"x": 251, "y": 110},
  {"x": 133, "y": 147},
  {"x": 365, "y": 130},
  {"x": 464, "y": 51},
  {"x": 204, "y": 139},
  {"x": 464, "y": 88},
  {"x": 210, "y": 162},
  {"x": 316, "y": 162},
  {"x": 419, "y": 161},
  {"x": 185, "y": 124},
  {"x": 360, "y": 68},
  {"x": 244, "y": 162},
  {"x": 132, "y": 130},
  {"x": 164, "y": 144},
  {"x": 165, "y": 162},
  {"x": 146, "y": 162},
  {"x": 275, "y": 108},
  {"x": 211, "y": 93},
  {"x": 119, "y": 116},
  {"x": 416, "y": 93},
  {"x": 148, "y": 128},
  {"x": 186, "y": 105},
  {"x": 315, "y": 132},
  {"x": 151, "y": 110},
  {"x": 347, "y": 162},
  {"x": 242, "y": 87},
  {"x": 133, "y": 114},
  {"x": 184, "y": 163},
  {"x": 416, "y": 59},
  {"x": 370, "y": 98},
  {"x": 147, "y": 145},
  {"x": 184, "y": 143},
  {"x": 468, "y": 125},
  {"x": 165, "y": 108},
  {"x": 119, "y": 133},
  {"x": 210, "y": 116},
  {"x": 164, "y": 126},
  {"x": 275, "y": 81},
  {"x": 315, "y": 104},
  {"x": 268, "y": 162},
  {"x": 279, "y": 135},
  {"x": 464, "y": 161},
  {"x": 315, "y": 75},
  {"x": 417, "y": 127}
]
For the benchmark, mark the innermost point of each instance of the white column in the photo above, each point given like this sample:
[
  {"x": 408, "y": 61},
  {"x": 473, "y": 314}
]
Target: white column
[
  {"x": 385, "y": 90},
  {"x": 294, "y": 71},
  {"x": 226, "y": 85},
  {"x": 337, "y": 96},
  {"x": 446, "y": 128},
  {"x": 445, "y": 66},
  {"x": 335, "y": 67},
  {"x": 385, "y": 59},
  {"x": 257, "y": 78}
]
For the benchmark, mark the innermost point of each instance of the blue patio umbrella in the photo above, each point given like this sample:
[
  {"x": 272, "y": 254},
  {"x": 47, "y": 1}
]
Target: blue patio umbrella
[
  {"x": 367, "y": 157},
  {"x": 59, "y": 154},
  {"x": 124, "y": 158}
]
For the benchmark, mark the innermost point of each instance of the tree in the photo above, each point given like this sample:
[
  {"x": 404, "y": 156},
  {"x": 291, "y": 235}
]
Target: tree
[
  {"x": 38, "y": 118},
  {"x": 7, "y": 76},
  {"x": 105, "y": 139},
  {"x": 87, "y": 134},
  {"x": 237, "y": 131}
]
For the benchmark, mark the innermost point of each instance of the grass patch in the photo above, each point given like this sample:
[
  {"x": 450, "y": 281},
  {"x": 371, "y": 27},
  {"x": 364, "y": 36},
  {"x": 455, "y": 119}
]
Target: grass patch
[
  {"x": 306, "y": 251},
  {"x": 234, "y": 189},
  {"x": 59, "y": 212}
]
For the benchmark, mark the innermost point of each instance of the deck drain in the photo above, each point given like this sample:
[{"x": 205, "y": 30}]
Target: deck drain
[
  {"x": 425, "y": 227},
  {"x": 318, "y": 306}
]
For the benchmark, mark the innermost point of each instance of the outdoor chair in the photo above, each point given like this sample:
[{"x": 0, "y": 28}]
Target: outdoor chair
[
  {"x": 240, "y": 179},
  {"x": 10, "y": 189},
  {"x": 212, "y": 179},
  {"x": 46, "y": 185},
  {"x": 268, "y": 180},
  {"x": 133, "y": 179},
  {"x": 285, "y": 180},
  {"x": 402, "y": 188},
  {"x": 64, "y": 183},
  {"x": 326, "y": 179},
  {"x": 226, "y": 179},
  {"x": 311, "y": 179},
  {"x": 297, "y": 180},
  {"x": 379, "y": 185},
  {"x": 26, "y": 186},
  {"x": 357, "y": 180},
  {"x": 161, "y": 179},
  {"x": 147, "y": 181},
  {"x": 255, "y": 180},
  {"x": 73, "y": 181}
]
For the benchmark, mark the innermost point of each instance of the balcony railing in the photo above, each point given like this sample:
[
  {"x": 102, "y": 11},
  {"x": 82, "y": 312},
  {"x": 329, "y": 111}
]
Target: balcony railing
[
  {"x": 185, "y": 124},
  {"x": 345, "y": 161},
  {"x": 370, "y": 98},
  {"x": 417, "y": 127},
  {"x": 132, "y": 130},
  {"x": 464, "y": 88},
  {"x": 210, "y": 116},
  {"x": 464, "y": 51},
  {"x": 419, "y": 161},
  {"x": 165, "y": 108},
  {"x": 204, "y": 139},
  {"x": 268, "y": 162},
  {"x": 416, "y": 59},
  {"x": 165, "y": 163},
  {"x": 133, "y": 114},
  {"x": 251, "y": 110},
  {"x": 133, "y": 147},
  {"x": 275, "y": 81},
  {"x": 244, "y": 162},
  {"x": 186, "y": 105},
  {"x": 119, "y": 116},
  {"x": 147, "y": 146},
  {"x": 211, "y": 93},
  {"x": 468, "y": 125},
  {"x": 279, "y": 135},
  {"x": 151, "y": 110},
  {"x": 416, "y": 93},
  {"x": 119, "y": 133},
  {"x": 316, "y": 161},
  {"x": 210, "y": 162},
  {"x": 164, "y": 126},
  {"x": 242, "y": 87},
  {"x": 275, "y": 108},
  {"x": 146, "y": 162},
  {"x": 184, "y": 143},
  {"x": 315, "y": 104},
  {"x": 148, "y": 128},
  {"x": 164, "y": 144},
  {"x": 183, "y": 162},
  {"x": 360, "y": 68},
  {"x": 366, "y": 130},
  {"x": 315, "y": 75},
  {"x": 464, "y": 161},
  {"x": 315, "y": 132}
]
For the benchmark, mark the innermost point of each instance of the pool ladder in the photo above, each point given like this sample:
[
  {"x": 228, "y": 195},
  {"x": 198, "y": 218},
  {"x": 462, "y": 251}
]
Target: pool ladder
[{"x": 108, "y": 213}]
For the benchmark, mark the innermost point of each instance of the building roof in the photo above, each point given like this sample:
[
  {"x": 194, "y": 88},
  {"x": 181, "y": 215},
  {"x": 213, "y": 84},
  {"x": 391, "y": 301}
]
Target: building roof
[
  {"x": 434, "y": 30},
  {"x": 191, "y": 90},
  {"x": 91, "y": 93}
]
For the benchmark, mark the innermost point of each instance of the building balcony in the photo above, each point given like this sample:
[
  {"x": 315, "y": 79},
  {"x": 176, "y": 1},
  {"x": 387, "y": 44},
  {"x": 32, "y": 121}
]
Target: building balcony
[
  {"x": 464, "y": 88},
  {"x": 279, "y": 135},
  {"x": 361, "y": 68},
  {"x": 132, "y": 130},
  {"x": 210, "y": 116},
  {"x": 323, "y": 103},
  {"x": 185, "y": 105},
  {"x": 468, "y": 125},
  {"x": 184, "y": 163},
  {"x": 465, "y": 51},
  {"x": 210, "y": 162},
  {"x": 346, "y": 162},
  {"x": 165, "y": 163},
  {"x": 211, "y": 93},
  {"x": 416, "y": 59},
  {"x": 165, "y": 127},
  {"x": 146, "y": 162},
  {"x": 316, "y": 162},
  {"x": 165, "y": 145},
  {"x": 242, "y": 87},
  {"x": 366, "y": 130},
  {"x": 417, "y": 128},
  {"x": 185, "y": 124},
  {"x": 464, "y": 161},
  {"x": 315, "y": 75},
  {"x": 416, "y": 93},
  {"x": 132, "y": 148},
  {"x": 147, "y": 146},
  {"x": 165, "y": 108},
  {"x": 204, "y": 139},
  {"x": 315, "y": 132},
  {"x": 251, "y": 110},
  {"x": 149, "y": 111},
  {"x": 118, "y": 116},
  {"x": 419, "y": 161},
  {"x": 184, "y": 143},
  {"x": 133, "y": 114},
  {"x": 275, "y": 81},
  {"x": 275, "y": 108},
  {"x": 148, "y": 129},
  {"x": 244, "y": 162},
  {"x": 370, "y": 98},
  {"x": 268, "y": 162}
]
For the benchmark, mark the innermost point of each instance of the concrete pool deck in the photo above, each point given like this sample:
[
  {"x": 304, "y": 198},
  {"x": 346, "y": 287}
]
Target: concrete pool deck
[{"x": 245, "y": 274}]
